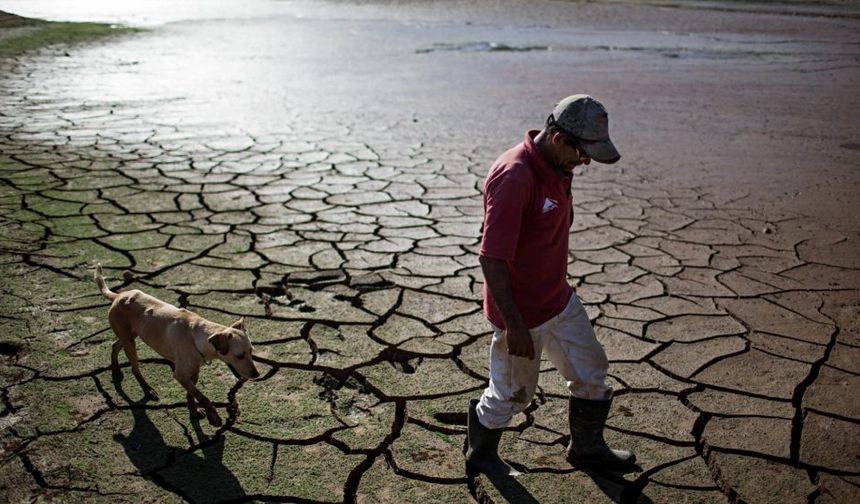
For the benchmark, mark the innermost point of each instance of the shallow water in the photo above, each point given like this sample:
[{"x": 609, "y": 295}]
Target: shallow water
[
  {"x": 144, "y": 12},
  {"x": 276, "y": 57}
]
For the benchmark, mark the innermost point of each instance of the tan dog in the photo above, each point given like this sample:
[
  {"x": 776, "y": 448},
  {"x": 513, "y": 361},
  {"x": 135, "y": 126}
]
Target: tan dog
[{"x": 184, "y": 338}]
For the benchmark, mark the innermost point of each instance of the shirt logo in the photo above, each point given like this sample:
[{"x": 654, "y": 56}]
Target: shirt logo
[{"x": 549, "y": 205}]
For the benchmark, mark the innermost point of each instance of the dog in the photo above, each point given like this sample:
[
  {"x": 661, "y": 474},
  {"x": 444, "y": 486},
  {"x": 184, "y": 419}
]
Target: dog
[{"x": 180, "y": 336}]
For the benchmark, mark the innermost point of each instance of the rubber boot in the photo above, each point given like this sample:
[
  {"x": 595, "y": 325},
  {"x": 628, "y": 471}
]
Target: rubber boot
[
  {"x": 483, "y": 455},
  {"x": 587, "y": 447}
]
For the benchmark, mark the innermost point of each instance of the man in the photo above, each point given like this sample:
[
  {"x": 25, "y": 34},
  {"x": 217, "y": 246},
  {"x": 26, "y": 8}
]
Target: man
[{"x": 527, "y": 218}]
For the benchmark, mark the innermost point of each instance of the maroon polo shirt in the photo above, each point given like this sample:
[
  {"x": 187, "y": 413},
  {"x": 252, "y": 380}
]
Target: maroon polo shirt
[{"x": 527, "y": 218}]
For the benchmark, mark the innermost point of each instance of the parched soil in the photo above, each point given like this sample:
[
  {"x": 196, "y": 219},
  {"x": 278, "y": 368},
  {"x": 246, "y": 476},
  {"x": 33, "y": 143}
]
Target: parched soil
[{"x": 348, "y": 236}]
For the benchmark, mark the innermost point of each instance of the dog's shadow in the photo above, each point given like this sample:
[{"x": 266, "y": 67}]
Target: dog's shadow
[{"x": 196, "y": 476}]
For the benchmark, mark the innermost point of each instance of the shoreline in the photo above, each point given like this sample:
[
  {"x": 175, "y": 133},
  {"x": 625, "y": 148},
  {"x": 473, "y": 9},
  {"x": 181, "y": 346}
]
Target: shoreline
[
  {"x": 23, "y": 34},
  {"x": 821, "y": 9}
]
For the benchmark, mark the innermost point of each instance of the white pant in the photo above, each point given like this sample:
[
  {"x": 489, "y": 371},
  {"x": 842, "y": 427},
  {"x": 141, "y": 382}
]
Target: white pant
[{"x": 571, "y": 346}]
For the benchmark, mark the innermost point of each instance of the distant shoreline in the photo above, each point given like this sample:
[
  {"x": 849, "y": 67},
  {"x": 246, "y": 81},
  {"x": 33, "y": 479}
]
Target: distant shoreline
[
  {"x": 812, "y": 8},
  {"x": 22, "y": 34}
]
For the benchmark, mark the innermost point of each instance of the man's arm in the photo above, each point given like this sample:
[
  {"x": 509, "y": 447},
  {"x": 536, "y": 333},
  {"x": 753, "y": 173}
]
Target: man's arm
[{"x": 498, "y": 280}]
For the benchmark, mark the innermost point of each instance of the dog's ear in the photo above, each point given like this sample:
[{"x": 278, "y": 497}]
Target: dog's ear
[
  {"x": 221, "y": 342},
  {"x": 239, "y": 324}
]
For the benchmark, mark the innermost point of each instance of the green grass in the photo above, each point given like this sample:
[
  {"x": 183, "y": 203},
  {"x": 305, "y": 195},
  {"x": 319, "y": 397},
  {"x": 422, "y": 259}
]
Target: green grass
[{"x": 26, "y": 34}]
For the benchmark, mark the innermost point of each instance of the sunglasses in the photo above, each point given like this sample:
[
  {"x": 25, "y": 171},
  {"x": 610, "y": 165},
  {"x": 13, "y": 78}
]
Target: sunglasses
[
  {"x": 568, "y": 139},
  {"x": 574, "y": 143}
]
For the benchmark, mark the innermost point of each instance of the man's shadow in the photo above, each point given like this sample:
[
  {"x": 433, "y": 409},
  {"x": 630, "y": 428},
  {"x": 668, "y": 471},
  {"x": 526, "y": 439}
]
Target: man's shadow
[
  {"x": 199, "y": 476},
  {"x": 616, "y": 487},
  {"x": 611, "y": 483}
]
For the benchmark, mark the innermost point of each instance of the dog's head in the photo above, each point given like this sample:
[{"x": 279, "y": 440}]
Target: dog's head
[{"x": 235, "y": 349}]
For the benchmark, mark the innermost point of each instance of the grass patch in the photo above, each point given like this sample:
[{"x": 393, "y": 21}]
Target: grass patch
[{"x": 20, "y": 34}]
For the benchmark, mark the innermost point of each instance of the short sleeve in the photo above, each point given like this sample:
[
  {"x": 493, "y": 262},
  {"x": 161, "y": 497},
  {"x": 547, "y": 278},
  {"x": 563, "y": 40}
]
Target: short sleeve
[{"x": 506, "y": 197}]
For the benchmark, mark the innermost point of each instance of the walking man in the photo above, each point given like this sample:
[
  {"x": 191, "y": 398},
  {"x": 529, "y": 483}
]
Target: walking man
[{"x": 527, "y": 299}]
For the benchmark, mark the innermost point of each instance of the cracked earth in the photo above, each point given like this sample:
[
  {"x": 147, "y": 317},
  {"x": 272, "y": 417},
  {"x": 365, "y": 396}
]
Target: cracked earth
[{"x": 350, "y": 248}]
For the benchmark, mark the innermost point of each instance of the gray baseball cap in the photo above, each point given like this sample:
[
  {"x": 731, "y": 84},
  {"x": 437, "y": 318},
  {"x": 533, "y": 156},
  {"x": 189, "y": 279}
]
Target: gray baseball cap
[{"x": 585, "y": 118}]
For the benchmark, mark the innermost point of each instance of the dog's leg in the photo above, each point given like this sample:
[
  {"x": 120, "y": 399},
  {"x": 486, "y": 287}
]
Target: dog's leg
[
  {"x": 131, "y": 353},
  {"x": 115, "y": 371},
  {"x": 192, "y": 403},
  {"x": 191, "y": 389},
  {"x": 122, "y": 334}
]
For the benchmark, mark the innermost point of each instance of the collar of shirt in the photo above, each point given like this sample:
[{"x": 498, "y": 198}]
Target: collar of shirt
[{"x": 540, "y": 165}]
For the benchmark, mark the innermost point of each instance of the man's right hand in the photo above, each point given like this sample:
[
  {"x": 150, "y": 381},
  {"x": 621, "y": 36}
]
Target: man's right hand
[
  {"x": 517, "y": 336},
  {"x": 519, "y": 342}
]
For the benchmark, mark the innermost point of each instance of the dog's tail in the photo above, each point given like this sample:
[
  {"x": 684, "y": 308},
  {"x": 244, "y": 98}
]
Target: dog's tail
[{"x": 100, "y": 279}]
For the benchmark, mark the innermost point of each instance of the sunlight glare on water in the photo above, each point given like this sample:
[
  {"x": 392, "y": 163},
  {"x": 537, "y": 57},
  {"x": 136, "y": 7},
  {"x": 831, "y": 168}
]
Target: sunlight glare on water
[{"x": 144, "y": 12}]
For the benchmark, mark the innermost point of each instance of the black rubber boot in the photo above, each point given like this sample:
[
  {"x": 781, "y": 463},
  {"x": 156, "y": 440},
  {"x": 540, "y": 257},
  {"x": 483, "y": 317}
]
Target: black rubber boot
[
  {"x": 483, "y": 455},
  {"x": 587, "y": 447}
]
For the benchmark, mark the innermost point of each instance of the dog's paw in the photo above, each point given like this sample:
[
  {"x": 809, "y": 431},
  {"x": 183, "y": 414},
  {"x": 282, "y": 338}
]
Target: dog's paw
[{"x": 116, "y": 374}]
